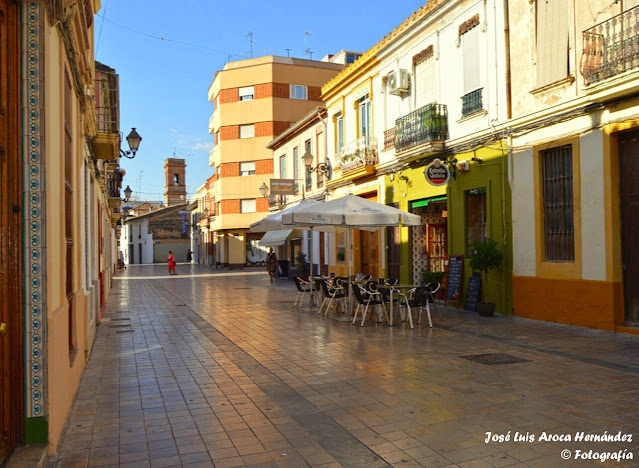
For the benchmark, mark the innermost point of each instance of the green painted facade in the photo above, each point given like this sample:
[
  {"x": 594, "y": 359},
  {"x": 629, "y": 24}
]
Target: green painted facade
[{"x": 490, "y": 174}]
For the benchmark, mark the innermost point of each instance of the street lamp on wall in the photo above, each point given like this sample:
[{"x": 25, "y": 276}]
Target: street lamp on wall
[
  {"x": 127, "y": 193},
  {"x": 264, "y": 189},
  {"x": 133, "y": 139},
  {"x": 321, "y": 168}
]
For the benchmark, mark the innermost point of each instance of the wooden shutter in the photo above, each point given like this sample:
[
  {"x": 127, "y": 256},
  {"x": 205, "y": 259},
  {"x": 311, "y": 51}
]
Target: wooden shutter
[
  {"x": 552, "y": 41},
  {"x": 471, "y": 60}
]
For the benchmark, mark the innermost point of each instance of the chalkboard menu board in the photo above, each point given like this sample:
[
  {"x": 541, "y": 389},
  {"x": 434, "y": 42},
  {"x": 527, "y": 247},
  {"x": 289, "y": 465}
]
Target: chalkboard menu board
[
  {"x": 453, "y": 287},
  {"x": 472, "y": 293}
]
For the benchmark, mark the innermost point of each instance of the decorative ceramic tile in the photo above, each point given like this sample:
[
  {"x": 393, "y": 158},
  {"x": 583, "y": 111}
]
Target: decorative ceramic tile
[{"x": 34, "y": 227}]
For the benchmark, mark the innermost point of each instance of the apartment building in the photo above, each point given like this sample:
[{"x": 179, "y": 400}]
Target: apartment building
[
  {"x": 254, "y": 101},
  {"x": 433, "y": 88}
]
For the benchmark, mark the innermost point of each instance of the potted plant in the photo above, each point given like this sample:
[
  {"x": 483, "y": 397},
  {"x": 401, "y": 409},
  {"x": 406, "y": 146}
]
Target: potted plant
[
  {"x": 484, "y": 257},
  {"x": 432, "y": 276},
  {"x": 302, "y": 266}
]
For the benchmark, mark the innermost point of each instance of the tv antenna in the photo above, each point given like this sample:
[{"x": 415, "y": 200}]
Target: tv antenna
[
  {"x": 250, "y": 36},
  {"x": 288, "y": 52},
  {"x": 307, "y": 48}
]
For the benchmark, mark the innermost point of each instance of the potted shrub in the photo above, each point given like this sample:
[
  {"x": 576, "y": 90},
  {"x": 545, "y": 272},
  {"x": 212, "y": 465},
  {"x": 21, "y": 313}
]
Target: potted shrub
[
  {"x": 302, "y": 266},
  {"x": 432, "y": 276},
  {"x": 484, "y": 257}
]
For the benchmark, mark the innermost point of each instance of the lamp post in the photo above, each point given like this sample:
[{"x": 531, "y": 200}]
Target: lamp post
[{"x": 133, "y": 139}]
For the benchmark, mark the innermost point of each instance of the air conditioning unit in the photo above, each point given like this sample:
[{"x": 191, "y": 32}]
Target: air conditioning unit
[{"x": 398, "y": 82}]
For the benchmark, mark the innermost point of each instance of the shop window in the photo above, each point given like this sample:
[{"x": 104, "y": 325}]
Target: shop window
[
  {"x": 475, "y": 216},
  {"x": 559, "y": 228},
  {"x": 341, "y": 247}
]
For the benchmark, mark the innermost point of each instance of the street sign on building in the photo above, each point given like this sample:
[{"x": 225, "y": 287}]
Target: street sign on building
[{"x": 283, "y": 187}]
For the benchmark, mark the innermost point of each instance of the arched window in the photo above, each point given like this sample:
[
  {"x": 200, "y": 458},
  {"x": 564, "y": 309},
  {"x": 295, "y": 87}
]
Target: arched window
[{"x": 176, "y": 180}]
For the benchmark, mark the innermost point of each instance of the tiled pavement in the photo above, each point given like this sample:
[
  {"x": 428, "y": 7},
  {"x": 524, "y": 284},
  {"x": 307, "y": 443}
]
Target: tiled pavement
[{"x": 221, "y": 370}]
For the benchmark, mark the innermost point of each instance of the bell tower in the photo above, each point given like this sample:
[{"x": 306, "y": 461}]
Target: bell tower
[{"x": 175, "y": 181}]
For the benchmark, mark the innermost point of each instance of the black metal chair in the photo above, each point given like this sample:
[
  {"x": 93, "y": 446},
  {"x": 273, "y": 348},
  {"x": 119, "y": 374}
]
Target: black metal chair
[
  {"x": 366, "y": 298},
  {"x": 337, "y": 292},
  {"x": 302, "y": 288},
  {"x": 419, "y": 298},
  {"x": 434, "y": 287}
]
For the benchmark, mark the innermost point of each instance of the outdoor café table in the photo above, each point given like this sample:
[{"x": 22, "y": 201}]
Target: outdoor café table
[{"x": 393, "y": 289}]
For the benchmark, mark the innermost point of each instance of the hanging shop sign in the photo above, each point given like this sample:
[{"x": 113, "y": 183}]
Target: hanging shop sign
[
  {"x": 437, "y": 173},
  {"x": 283, "y": 187}
]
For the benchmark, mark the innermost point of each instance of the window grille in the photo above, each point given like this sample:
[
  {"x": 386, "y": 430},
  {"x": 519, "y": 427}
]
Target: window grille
[
  {"x": 472, "y": 102},
  {"x": 559, "y": 230}
]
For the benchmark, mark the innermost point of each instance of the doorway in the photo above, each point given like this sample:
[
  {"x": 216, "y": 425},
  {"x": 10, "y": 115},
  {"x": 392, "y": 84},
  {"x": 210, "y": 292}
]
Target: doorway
[
  {"x": 392, "y": 247},
  {"x": 369, "y": 252},
  {"x": 629, "y": 198},
  {"x": 11, "y": 318}
]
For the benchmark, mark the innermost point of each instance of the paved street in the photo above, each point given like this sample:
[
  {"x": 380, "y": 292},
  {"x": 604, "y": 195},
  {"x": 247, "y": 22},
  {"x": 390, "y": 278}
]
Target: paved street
[{"x": 219, "y": 369}]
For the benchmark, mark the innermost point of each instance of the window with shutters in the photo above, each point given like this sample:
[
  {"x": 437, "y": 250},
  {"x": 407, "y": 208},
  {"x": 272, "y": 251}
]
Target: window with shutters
[
  {"x": 425, "y": 82},
  {"x": 552, "y": 41},
  {"x": 247, "y": 168},
  {"x": 283, "y": 172},
  {"x": 472, "y": 99},
  {"x": 246, "y": 93},
  {"x": 248, "y": 206},
  {"x": 68, "y": 206},
  {"x": 296, "y": 164},
  {"x": 559, "y": 228},
  {"x": 247, "y": 131}
]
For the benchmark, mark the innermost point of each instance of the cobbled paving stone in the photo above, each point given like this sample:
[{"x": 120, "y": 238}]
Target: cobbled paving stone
[{"x": 220, "y": 369}]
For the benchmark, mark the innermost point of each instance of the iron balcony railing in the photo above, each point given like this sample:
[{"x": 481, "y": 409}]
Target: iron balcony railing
[
  {"x": 611, "y": 47},
  {"x": 361, "y": 152},
  {"x": 426, "y": 124},
  {"x": 114, "y": 182},
  {"x": 107, "y": 103},
  {"x": 389, "y": 138}
]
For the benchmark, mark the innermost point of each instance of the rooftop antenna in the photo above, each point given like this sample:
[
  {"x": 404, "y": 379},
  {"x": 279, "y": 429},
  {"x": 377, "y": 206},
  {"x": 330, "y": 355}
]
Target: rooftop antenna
[
  {"x": 250, "y": 36},
  {"x": 140, "y": 182},
  {"x": 288, "y": 52},
  {"x": 307, "y": 49}
]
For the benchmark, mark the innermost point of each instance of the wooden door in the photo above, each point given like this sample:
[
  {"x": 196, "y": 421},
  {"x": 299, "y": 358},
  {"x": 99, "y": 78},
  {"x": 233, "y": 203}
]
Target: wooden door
[
  {"x": 369, "y": 252},
  {"x": 392, "y": 252},
  {"x": 11, "y": 377},
  {"x": 629, "y": 196}
]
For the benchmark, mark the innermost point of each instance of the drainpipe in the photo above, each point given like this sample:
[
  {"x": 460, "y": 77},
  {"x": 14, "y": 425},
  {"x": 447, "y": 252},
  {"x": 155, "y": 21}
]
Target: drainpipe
[{"x": 509, "y": 109}]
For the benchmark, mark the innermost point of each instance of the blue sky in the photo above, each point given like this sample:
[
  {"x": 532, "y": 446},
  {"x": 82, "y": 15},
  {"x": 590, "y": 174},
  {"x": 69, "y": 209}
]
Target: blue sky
[{"x": 164, "y": 82}]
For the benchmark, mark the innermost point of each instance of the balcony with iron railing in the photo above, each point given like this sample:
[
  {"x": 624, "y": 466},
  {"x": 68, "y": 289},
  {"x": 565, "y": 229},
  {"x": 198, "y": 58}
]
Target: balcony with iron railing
[
  {"x": 611, "y": 47},
  {"x": 389, "y": 138},
  {"x": 107, "y": 104},
  {"x": 361, "y": 153},
  {"x": 422, "y": 131}
]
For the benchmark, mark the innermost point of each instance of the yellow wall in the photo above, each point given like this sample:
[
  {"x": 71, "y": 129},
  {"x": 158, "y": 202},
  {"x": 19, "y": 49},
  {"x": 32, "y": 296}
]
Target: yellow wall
[{"x": 64, "y": 376}]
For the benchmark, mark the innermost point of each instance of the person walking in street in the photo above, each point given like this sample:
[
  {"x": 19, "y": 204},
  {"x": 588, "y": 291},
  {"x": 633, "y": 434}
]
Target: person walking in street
[
  {"x": 171, "y": 263},
  {"x": 271, "y": 264},
  {"x": 189, "y": 256}
]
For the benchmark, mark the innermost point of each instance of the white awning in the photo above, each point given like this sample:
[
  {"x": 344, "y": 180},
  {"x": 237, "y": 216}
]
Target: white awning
[{"x": 275, "y": 238}]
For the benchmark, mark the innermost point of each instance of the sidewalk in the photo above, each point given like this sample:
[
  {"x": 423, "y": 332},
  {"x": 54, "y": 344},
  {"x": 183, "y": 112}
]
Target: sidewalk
[{"x": 219, "y": 369}]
